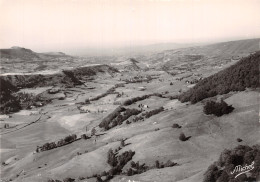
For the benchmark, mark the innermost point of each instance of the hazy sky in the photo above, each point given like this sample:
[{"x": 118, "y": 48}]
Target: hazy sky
[{"x": 45, "y": 25}]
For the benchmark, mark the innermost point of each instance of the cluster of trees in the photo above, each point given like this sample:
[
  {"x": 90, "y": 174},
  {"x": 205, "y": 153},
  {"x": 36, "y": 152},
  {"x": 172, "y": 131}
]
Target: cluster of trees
[
  {"x": 138, "y": 79},
  {"x": 153, "y": 112},
  {"x": 65, "y": 180},
  {"x": 70, "y": 75},
  {"x": 8, "y": 103},
  {"x": 137, "y": 168},
  {"x": 108, "y": 119},
  {"x": 117, "y": 162},
  {"x": 146, "y": 115},
  {"x": 28, "y": 99},
  {"x": 223, "y": 169},
  {"x": 109, "y": 91},
  {"x": 52, "y": 145},
  {"x": 244, "y": 74},
  {"x": 93, "y": 70},
  {"x": 218, "y": 109},
  {"x": 137, "y": 118},
  {"x": 135, "y": 99},
  {"x": 117, "y": 117}
]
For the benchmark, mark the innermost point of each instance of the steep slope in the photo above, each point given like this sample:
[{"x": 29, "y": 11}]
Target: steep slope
[
  {"x": 244, "y": 74},
  {"x": 8, "y": 102}
]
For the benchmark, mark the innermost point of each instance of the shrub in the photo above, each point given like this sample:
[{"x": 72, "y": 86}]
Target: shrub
[
  {"x": 68, "y": 180},
  {"x": 239, "y": 140},
  {"x": 217, "y": 109},
  {"x": 122, "y": 143},
  {"x": 84, "y": 136},
  {"x": 182, "y": 137},
  {"x": 176, "y": 125}
]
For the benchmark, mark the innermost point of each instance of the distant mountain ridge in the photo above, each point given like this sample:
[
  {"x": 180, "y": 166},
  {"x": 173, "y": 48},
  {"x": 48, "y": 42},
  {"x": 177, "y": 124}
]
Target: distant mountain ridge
[
  {"x": 22, "y": 53},
  {"x": 18, "y": 53},
  {"x": 212, "y": 53}
]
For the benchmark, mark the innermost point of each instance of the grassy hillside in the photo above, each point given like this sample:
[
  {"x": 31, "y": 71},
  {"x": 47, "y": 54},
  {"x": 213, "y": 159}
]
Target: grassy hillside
[{"x": 238, "y": 77}]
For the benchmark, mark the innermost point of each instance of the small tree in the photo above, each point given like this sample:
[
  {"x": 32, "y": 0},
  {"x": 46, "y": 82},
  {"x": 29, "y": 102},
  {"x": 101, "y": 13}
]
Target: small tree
[
  {"x": 111, "y": 158},
  {"x": 130, "y": 172},
  {"x": 84, "y": 136},
  {"x": 38, "y": 149},
  {"x": 239, "y": 140},
  {"x": 157, "y": 164},
  {"x": 93, "y": 131},
  {"x": 6, "y": 126},
  {"x": 99, "y": 179},
  {"x": 122, "y": 143},
  {"x": 87, "y": 101}
]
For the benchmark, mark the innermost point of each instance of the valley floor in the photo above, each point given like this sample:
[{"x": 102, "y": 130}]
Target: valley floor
[{"x": 152, "y": 138}]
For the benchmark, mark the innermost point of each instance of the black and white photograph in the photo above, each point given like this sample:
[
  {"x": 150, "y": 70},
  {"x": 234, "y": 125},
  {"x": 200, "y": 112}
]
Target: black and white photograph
[{"x": 129, "y": 90}]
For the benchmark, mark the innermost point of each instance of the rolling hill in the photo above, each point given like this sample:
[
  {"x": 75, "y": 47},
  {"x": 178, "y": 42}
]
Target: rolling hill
[{"x": 203, "y": 56}]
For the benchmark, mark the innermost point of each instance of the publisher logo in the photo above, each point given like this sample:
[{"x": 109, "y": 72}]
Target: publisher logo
[{"x": 243, "y": 169}]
